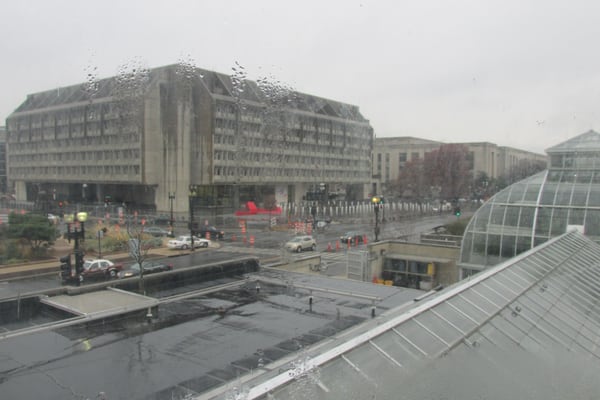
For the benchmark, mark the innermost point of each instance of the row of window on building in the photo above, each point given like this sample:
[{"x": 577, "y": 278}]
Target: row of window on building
[
  {"x": 287, "y": 173},
  {"x": 106, "y": 172},
  {"x": 131, "y": 155},
  {"x": 74, "y": 143},
  {"x": 272, "y": 155}
]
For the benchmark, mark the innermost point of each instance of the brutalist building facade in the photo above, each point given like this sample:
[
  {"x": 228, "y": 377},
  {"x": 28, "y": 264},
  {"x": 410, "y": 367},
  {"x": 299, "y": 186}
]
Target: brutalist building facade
[{"x": 149, "y": 136}]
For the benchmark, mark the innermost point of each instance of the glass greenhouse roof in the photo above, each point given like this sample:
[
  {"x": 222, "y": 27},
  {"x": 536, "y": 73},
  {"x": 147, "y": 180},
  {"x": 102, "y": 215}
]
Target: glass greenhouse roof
[
  {"x": 588, "y": 141},
  {"x": 527, "y": 328},
  {"x": 545, "y": 205}
]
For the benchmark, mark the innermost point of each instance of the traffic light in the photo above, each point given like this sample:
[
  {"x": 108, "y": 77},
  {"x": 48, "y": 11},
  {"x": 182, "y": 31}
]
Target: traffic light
[
  {"x": 65, "y": 266},
  {"x": 457, "y": 211},
  {"x": 79, "y": 262}
]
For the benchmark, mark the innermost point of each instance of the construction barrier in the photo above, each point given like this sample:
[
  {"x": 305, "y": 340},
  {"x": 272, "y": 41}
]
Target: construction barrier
[{"x": 300, "y": 227}]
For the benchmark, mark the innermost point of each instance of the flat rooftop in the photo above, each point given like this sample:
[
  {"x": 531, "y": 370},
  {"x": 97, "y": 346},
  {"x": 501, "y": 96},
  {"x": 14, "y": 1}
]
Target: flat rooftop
[{"x": 195, "y": 343}]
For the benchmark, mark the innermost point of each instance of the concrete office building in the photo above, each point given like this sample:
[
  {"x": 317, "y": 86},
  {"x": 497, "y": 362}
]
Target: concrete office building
[
  {"x": 391, "y": 154},
  {"x": 145, "y": 142}
]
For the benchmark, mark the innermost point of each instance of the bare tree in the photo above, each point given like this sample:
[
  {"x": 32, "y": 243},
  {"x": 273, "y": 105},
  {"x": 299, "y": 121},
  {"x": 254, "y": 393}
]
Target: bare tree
[
  {"x": 412, "y": 183},
  {"x": 138, "y": 247},
  {"x": 447, "y": 167}
]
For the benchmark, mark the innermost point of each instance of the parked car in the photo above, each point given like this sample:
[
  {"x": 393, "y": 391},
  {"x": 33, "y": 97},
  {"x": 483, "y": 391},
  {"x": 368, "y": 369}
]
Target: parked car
[
  {"x": 300, "y": 243},
  {"x": 149, "y": 267},
  {"x": 214, "y": 232},
  {"x": 352, "y": 237},
  {"x": 157, "y": 231},
  {"x": 99, "y": 269},
  {"x": 185, "y": 242}
]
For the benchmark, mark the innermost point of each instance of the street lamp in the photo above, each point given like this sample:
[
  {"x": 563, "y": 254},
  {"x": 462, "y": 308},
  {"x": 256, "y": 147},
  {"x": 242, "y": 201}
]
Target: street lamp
[
  {"x": 376, "y": 205},
  {"x": 76, "y": 231},
  {"x": 193, "y": 193},
  {"x": 171, "y": 198}
]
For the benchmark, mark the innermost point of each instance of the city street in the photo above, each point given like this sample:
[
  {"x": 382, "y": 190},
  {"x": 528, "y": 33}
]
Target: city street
[{"x": 268, "y": 247}]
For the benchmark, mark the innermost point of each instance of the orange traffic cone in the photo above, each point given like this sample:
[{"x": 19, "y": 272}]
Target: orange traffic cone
[
  {"x": 337, "y": 245},
  {"x": 329, "y": 247},
  {"x": 365, "y": 241}
]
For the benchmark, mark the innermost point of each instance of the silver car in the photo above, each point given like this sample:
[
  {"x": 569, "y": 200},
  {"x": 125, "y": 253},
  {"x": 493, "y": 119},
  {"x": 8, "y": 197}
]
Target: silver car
[{"x": 300, "y": 243}]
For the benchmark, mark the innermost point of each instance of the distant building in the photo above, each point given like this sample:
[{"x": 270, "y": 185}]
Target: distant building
[
  {"x": 564, "y": 197},
  {"x": 391, "y": 154},
  {"x": 148, "y": 145}
]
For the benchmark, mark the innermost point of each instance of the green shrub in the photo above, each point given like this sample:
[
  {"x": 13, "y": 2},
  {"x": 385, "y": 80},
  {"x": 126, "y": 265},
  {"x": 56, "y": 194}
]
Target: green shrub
[{"x": 458, "y": 227}]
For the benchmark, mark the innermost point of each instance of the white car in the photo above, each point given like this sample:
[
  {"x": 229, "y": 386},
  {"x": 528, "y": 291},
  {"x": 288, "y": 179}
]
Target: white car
[
  {"x": 185, "y": 242},
  {"x": 300, "y": 243}
]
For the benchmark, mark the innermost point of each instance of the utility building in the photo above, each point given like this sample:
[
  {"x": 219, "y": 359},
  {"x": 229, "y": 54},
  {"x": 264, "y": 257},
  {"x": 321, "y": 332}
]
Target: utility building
[{"x": 147, "y": 137}]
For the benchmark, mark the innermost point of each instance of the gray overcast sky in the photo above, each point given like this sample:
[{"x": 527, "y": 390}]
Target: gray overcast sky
[{"x": 517, "y": 73}]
